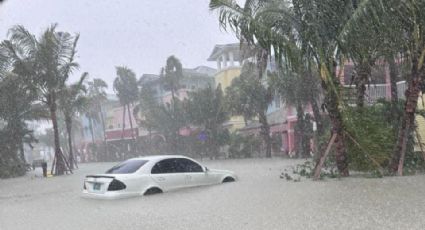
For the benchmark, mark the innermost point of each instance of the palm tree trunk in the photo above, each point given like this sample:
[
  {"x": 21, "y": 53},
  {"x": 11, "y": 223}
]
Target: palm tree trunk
[
  {"x": 131, "y": 127},
  {"x": 332, "y": 106},
  {"x": 68, "y": 123},
  {"x": 123, "y": 122},
  {"x": 92, "y": 137},
  {"x": 60, "y": 164},
  {"x": 91, "y": 130},
  {"x": 408, "y": 118},
  {"x": 317, "y": 115},
  {"x": 131, "y": 122},
  {"x": 363, "y": 72},
  {"x": 22, "y": 151},
  {"x": 265, "y": 132},
  {"x": 302, "y": 145},
  {"x": 104, "y": 131},
  {"x": 393, "y": 84}
]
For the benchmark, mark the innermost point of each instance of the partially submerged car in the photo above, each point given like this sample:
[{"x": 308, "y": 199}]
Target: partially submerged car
[{"x": 150, "y": 175}]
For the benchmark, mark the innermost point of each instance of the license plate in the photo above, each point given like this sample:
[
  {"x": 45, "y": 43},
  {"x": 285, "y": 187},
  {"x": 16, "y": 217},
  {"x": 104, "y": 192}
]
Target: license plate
[{"x": 96, "y": 186}]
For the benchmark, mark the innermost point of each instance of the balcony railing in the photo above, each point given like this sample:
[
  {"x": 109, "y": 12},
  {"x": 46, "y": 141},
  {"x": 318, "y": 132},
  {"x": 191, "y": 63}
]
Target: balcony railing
[{"x": 373, "y": 92}]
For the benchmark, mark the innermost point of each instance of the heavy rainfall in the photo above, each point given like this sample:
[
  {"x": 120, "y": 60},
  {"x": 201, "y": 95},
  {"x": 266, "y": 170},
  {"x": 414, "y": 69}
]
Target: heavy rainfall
[{"x": 212, "y": 114}]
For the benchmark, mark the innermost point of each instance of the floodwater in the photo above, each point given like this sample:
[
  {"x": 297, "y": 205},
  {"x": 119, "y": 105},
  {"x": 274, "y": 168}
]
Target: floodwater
[{"x": 259, "y": 200}]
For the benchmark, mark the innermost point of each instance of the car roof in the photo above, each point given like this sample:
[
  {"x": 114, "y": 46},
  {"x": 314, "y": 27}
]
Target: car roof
[{"x": 157, "y": 157}]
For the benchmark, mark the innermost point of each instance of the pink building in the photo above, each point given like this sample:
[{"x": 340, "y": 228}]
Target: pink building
[{"x": 114, "y": 124}]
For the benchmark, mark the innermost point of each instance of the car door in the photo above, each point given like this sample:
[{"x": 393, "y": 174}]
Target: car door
[
  {"x": 194, "y": 173},
  {"x": 165, "y": 173}
]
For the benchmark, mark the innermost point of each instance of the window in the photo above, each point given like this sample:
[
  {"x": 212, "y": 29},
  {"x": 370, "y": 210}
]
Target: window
[
  {"x": 176, "y": 165},
  {"x": 164, "y": 166},
  {"x": 186, "y": 165},
  {"x": 127, "y": 167}
]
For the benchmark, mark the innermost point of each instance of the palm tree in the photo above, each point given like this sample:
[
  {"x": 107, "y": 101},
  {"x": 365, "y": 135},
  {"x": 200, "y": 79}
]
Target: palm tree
[
  {"x": 402, "y": 24},
  {"x": 18, "y": 104},
  {"x": 171, "y": 75},
  {"x": 47, "y": 61},
  {"x": 274, "y": 25},
  {"x": 125, "y": 86},
  {"x": 409, "y": 23},
  {"x": 72, "y": 101},
  {"x": 249, "y": 97},
  {"x": 144, "y": 111},
  {"x": 97, "y": 96},
  {"x": 295, "y": 89},
  {"x": 170, "y": 78}
]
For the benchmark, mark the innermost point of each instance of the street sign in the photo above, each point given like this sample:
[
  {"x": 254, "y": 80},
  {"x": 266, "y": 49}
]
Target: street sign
[{"x": 202, "y": 136}]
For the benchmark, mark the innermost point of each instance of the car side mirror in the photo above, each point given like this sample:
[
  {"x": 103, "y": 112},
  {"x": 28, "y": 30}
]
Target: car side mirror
[{"x": 206, "y": 169}]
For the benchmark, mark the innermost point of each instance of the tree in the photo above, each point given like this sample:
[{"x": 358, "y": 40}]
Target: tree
[
  {"x": 207, "y": 110},
  {"x": 362, "y": 43},
  {"x": 145, "y": 109},
  {"x": 72, "y": 101},
  {"x": 170, "y": 78},
  {"x": 96, "y": 96},
  {"x": 315, "y": 26},
  {"x": 18, "y": 104},
  {"x": 410, "y": 20},
  {"x": 48, "y": 61},
  {"x": 250, "y": 97},
  {"x": 402, "y": 23},
  {"x": 296, "y": 90},
  {"x": 125, "y": 86},
  {"x": 171, "y": 75}
]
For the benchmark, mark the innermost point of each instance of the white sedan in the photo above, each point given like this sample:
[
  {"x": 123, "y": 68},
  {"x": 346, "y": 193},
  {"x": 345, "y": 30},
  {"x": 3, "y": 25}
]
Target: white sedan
[{"x": 150, "y": 175}]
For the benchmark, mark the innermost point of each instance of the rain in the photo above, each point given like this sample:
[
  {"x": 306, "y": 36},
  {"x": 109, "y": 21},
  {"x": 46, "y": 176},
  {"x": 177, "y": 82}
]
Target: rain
[{"x": 212, "y": 114}]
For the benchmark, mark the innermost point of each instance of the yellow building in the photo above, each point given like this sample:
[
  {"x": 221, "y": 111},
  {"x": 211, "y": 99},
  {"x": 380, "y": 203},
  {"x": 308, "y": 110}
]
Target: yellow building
[
  {"x": 420, "y": 121},
  {"x": 229, "y": 58}
]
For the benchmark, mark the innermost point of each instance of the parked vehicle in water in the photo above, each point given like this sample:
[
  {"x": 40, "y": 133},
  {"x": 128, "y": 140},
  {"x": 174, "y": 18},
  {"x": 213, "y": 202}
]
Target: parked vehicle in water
[{"x": 151, "y": 175}]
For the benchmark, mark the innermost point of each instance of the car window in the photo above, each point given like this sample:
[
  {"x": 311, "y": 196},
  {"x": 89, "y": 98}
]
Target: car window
[
  {"x": 129, "y": 166},
  {"x": 165, "y": 166},
  {"x": 186, "y": 165}
]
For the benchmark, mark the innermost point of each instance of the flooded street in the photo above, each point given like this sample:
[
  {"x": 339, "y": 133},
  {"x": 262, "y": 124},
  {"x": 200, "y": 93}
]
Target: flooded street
[{"x": 259, "y": 200}]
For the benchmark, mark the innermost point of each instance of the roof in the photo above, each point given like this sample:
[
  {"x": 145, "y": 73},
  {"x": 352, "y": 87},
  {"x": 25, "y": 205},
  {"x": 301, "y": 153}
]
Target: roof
[
  {"x": 239, "y": 53},
  {"x": 203, "y": 70},
  {"x": 157, "y": 157},
  {"x": 148, "y": 78}
]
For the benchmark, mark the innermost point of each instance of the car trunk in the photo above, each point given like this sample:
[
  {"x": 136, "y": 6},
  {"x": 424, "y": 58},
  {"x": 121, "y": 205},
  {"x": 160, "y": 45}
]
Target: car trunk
[{"x": 97, "y": 183}]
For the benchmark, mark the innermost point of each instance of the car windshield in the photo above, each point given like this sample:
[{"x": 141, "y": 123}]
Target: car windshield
[{"x": 126, "y": 167}]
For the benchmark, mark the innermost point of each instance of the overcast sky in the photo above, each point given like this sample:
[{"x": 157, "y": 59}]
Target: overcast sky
[{"x": 140, "y": 34}]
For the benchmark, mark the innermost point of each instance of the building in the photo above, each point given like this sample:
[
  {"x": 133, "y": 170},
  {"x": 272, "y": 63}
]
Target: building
[
  {"x": 118, "y": 133},
  {"x": 283, "y": 117},
  {"x": 229, "y": 59},
  {"x": 193, "y": 79}
]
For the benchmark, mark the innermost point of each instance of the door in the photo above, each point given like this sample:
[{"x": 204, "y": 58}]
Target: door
[
  {"x": 165, "y": 173},
  {"x": 194, "y": 173}
]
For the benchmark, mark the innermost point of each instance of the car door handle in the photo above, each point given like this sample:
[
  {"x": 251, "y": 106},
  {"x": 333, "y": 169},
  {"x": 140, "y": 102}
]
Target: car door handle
[
  {"x": 188, "y": 177},
  {"x": 161, "y": 178}
]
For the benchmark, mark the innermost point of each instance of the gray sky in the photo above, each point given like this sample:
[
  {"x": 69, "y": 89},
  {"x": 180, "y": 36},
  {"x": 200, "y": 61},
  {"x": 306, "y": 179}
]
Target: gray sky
[{"x": 140, "y": 34}]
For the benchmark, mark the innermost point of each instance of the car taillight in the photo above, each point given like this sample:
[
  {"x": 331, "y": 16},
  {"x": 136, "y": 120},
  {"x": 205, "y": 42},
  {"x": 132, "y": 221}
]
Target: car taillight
[{"x": 116, "y": 185}]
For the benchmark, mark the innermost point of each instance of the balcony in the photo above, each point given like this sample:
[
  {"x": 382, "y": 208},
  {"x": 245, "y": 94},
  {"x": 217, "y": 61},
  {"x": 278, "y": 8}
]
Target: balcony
[{"x": 373, "y": 93}]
